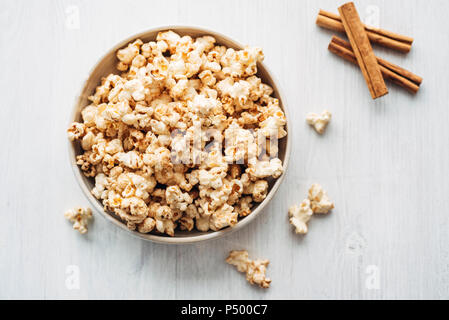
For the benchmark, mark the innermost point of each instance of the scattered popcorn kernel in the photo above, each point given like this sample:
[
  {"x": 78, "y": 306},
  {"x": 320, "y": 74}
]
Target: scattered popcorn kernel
[
  {"x": 76, "y": 131},
  {"x": 300, "y": 216},
  {"x": 317, "y": 202},
  {"x": 256, "y": 273},
  {"x": 255, "y": 269},
  {"x": 175, "y": 139},
  {"x": 320, "y": 202},
  {"x": 79, "y": 217},
  {"x": 319, "y": 121}
]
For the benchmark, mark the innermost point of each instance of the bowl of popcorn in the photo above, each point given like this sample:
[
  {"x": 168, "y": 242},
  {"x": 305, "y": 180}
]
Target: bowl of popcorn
[{"x": 179, "y": 135}]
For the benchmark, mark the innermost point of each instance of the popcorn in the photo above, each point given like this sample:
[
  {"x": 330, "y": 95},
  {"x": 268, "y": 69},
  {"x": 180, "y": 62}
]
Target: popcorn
[
  {"x": 147, "y": 225},
  {"x": 317, "y": 202},
  {"x": 79, "y": 217},
  {"x": 223, "y": 217},
  {"x": 88, "y": 141},
  {"x": 114, "y": 146},
  {"x": 76, "y": 131},
  {"x": 101, "y": 182},
  {"x": 127, "y": 54},
  {"x": 263, "y": 169},
  {"x": 176, "y": 199},
  {"x": 240, "y": 143},
  {"x": 212, "y": 178},
  {"x": 203, "y": 105},
  {"x": 207, "y": 78},
  {"x": 319, "y": 121},
  {"x": 166, "y": 226},
  {"x": 88, "y": 168},
  {"x": 255, "y": 269},
  {"x": 159, "y": 70},
  {"x": 136, "y": 89},
  {"x": 130, "y": 159},
  {"x": 320, "y": 202},
  {"x": 241, "y": 63},
  {"x": 186, "y": 223},
  {"x": 256, "y": 273},
  {"x": 202, "y": 223},
  {"x": 137, "y": 209},
  {"x": 300, "y": 216},
  {"x": 258, "y": 190},
  {"x": 176, "y": 140},
  {"x": 171, "y": 38},
  {"x": 138, "y": 61},
  {"x": 89, "y": 114},
  {"x": 244, "y": 206},
  {"x": 273, "y": 127},
  {"x": 239, "y": 259}
]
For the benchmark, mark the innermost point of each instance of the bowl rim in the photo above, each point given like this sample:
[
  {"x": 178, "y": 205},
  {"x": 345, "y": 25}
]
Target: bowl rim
[{"x": 185, "y": 239}]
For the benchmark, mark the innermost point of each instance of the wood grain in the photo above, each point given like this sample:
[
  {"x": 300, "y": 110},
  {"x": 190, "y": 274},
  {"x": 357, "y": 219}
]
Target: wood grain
[{"x": 383, "y": 162}]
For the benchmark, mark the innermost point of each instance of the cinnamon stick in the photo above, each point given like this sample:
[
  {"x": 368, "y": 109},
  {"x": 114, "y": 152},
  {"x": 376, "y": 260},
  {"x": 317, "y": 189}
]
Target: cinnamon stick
[
  {"x": 390, "y": 71},
  {"x": 394, "y": 68},
  {"x": 363, "y": 52},
  {"x": 381, "y": 37}
]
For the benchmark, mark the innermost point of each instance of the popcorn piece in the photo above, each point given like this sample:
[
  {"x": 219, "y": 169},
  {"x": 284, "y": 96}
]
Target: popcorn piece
[
  {"x": 166, "y": 226},
  {"x": 244, "y": 206},
  {"x": 147, "y": 225},
  {"x": 76, "y": 131},
  {"x": 134, "y": 209},
  {"x": 88, "y": 141},
  {"x": 126, "y": 55},
  {"x": 255, "y": 269},
  {"x": 319, "y": 200},
  {"x": 256, "y": 273},
  {"x": 160, "y": 68},
  {"x": 207, "y": 78},
  {"x": 131, "y": 159},
  {"x": 212, "y": 178},
  {"x": 239, "y": 259},
  {"x": 101, "y": 181},
  {"x": 202, "y": 223},
  {"x": 176, "y": 199},
  {"x": 89, "y": 114},
  {"x": 300, "y": 216},
  {"x": 171, "y": 38},
  {"x": 240, "y": 143},
  {"x": 319, "y": 121},
  {"x": 263, "y": 169},
  {"x": 258, "y": 190},
  {"x": 223, "y": 217},
  {"x": 186, "y": 223},
  {"x": 273, "y": 127},
  {"x": 241, "y": 63},
  {"x": 136, "y": 89},
  {"x": 79, "y": 217},
  {"x": 203, "y": 105}
]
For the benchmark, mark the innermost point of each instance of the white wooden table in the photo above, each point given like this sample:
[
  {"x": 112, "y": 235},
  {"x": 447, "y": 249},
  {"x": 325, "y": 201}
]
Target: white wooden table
[{"x": 385, "y": 163}]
